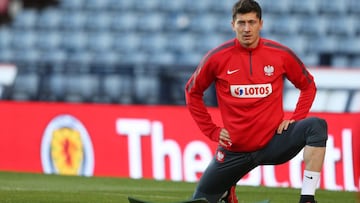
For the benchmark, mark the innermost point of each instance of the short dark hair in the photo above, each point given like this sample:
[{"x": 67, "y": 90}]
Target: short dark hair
[{"x": 246, "y": 6}]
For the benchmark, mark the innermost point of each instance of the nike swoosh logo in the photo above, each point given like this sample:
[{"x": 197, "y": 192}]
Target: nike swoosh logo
[
  {"x": 310, "y": 177},
  {"x": 229, "y": 72}
]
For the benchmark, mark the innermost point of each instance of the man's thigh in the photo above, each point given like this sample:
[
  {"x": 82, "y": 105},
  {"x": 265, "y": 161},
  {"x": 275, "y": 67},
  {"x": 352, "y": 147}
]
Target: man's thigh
[{"x": 282, "y": 147}]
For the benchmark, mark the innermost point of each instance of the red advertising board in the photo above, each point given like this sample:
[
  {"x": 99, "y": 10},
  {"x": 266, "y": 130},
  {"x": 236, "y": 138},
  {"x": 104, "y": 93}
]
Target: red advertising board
[{"x": 157, "y": 142}]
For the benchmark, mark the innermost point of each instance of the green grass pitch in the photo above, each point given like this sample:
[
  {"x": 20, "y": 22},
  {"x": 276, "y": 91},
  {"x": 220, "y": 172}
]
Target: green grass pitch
[{"x": 40, "y": 188}]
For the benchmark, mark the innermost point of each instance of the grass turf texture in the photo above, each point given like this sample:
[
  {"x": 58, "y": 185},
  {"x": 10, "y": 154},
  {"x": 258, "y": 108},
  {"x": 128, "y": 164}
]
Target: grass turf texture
[{"x": 40, "y": 188}]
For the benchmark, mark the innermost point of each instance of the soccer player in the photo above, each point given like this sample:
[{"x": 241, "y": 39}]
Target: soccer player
[{"x": 248, "y": 72}]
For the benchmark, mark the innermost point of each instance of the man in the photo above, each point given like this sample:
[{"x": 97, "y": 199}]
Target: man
[{"x": 248, "y": 72}]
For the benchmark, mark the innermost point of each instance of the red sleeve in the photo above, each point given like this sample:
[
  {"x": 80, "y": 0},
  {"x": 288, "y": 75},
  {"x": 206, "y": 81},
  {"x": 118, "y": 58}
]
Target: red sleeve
[
  {"x": 297, "y": 73},
  {"x": 200, "y": 80}
]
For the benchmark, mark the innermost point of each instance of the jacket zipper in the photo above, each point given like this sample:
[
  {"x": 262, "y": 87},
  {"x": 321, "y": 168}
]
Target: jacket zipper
[{"x": 250, "y": 59}]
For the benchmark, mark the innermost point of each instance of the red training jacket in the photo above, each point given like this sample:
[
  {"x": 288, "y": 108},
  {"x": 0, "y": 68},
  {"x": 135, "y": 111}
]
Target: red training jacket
[{"x": 249, "y": 88}]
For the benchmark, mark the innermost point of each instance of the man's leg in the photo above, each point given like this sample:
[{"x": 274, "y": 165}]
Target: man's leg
[
  {"x": 313, "y": 158},
  {"x": 314, "y": 154},
  {"x": 309, "y": 134}
]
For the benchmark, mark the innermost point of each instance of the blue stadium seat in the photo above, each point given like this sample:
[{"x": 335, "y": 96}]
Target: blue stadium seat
[
  {"x": 198, "y": 6},
  {"x": 48, "y": 40},
  {"x": 147, "y": 88},
  {"x": 23, "y": 40},
  {"x": 181, "y": 42},
  {"x": 126, "y": 43},
  {"x": 123, "y": 22},
  {"x": 222, "y": 7},
  {"x": 49, "y": 19},
  {"x": 336, "y": 7},
  {"x": 205, "y": 43},
  {"x": 190, "y": 58},
  {"x": 119, "y": 88},
  {"x": 81, "y": 87},
  {"x": 72, "y": 21},
  {"x": 304, "y": 7},
  {"x": 95, "y": 5},
  {"x": 171, "y": 6},
  {"x": 152, "y": 22},
  {"x": 5, "y": 38},
  {"x": 353, "y": 6},
  {"x": 55, "y": 57},
  {"x": 80, "y": 59},
  {"x": 203, "y": 23},
  {"x": 26, "y": 86},
  {"x": 284, "y": 25},
  {"x": 72, "y": 5},
  {"x": 153, "y": 42},
  {"x": 120, "y": 5},
  {"x": 312, "y": 25},
  {"x": 74, "y": 40},
  {"x": 97, "y": 21},
  {"x": 25, "y": 20},
  {"x": 161, "y": 58},
  {"x": 296, "y": 43},
  {"x": 355, "y": 103},
  {"x": 343, "y": 25},
  {"x": 349, "y": 45},
  {"x": 280, "y": 7},
  {"x": 146, "y": 6},
  {"x": 99, "y": 41}
]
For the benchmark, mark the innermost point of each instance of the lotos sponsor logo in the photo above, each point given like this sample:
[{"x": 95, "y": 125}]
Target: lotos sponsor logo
[{"x": 251, "y": 91}]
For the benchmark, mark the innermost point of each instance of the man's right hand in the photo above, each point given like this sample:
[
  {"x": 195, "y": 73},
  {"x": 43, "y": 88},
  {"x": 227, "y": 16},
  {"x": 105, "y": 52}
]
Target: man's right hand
[{"x": 224, "y": 138}]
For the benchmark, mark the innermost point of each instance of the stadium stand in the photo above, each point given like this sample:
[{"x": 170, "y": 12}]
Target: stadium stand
[{"x": 142, "y": 51}]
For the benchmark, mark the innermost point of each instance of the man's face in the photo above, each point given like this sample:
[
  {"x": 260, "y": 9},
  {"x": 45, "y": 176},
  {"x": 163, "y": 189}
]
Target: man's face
[{"x": 247, "y": 28}]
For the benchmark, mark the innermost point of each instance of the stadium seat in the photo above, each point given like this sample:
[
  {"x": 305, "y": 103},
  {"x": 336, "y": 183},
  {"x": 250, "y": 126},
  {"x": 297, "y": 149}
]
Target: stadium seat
[
  {"x": 72, "y": 5},
  {"x": 81, "y": 87},
  {"x": 26, "y": 86},
  {"x": 48, "y": 40},
  {"x": 342, "y": 25},
  {"x": 336, "y": 101},
  {"x": 198, "y": 6},
  {"x": 353, "y": 7},
  {"x": 120, "y": 5},
  {"x": 222, "y": 7},
  {"x": 280, "y": 7},
  {"x": 296, "y": 43},
  {"x": 72, "y": 21},
  {"x": 336, "y": 7},
  {"x": 202, "y": 23},
  {"x": 153, "y": 42},
  {"x": 304, "y": 7},
  {"x": 73, "y": 41},
  {"x": 162, "y": 58},
  {"x": 25, "y": 20},
  {"x": 49, "y": 19},
  {"x": 189, "y": 58},
  {"x": 284, "y": 25},
  {"x": 23, "y": 40},
  {"x": 205, "y": 43},
  {"x": 146, "y": 6},
  {"x": 95, "y": 5},
  {"x": 147, "y": 88},
  {"x": 123, "y": 22},
  {"x": 99, "y": 41},
  {"x": 97, "y": 21},
  {"x": 180, "y": 42},
  {"x": 312, "y": 25},
  {"x": 170, "y": 6},
  {"x": 126, "y": 43},
  {"x": 119, "y": 88},
  {"x": 5, "y": 38},
  {"x": 152, "y": 22},
  {"x": 355, "y": 62},
  {"x": 355, "y": 102}
]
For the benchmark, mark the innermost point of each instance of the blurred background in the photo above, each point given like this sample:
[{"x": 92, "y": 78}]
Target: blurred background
[{"x": 143, "y": 51}]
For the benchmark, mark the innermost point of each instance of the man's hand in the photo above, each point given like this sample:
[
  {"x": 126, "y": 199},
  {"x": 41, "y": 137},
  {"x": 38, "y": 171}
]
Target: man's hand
[
  {"x": 284, "y": 125},
  {"x": 224, "y": 138}
]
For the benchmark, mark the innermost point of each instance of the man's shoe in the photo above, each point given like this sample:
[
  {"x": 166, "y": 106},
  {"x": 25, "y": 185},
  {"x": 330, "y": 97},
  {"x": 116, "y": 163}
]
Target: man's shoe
[{"x": 229, "y": 196}]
